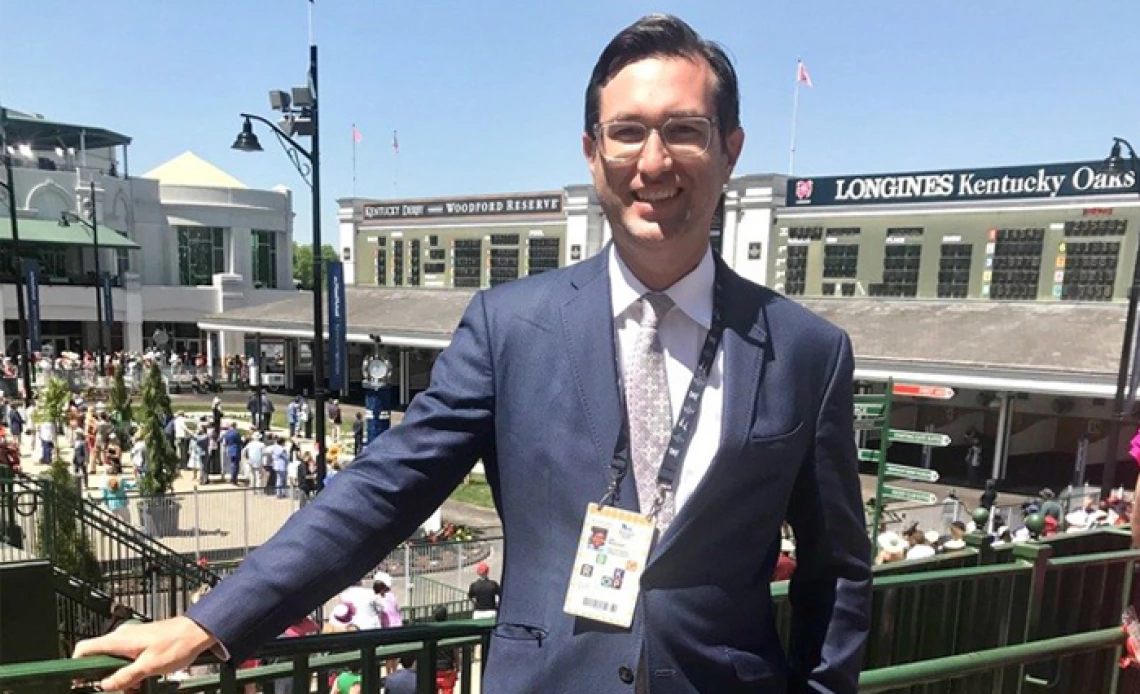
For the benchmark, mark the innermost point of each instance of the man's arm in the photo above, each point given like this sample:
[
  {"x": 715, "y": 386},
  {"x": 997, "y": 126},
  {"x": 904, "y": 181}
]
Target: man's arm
[
  {"x": 363, "y": 514},
  {"x": 831, "y": 589}
]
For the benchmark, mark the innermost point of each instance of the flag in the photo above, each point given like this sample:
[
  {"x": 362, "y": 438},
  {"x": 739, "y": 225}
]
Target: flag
[
  {"x": 356, "y": 136},
  {"x": 395, "y": 143},
  {"x": 802, "y": 76}
]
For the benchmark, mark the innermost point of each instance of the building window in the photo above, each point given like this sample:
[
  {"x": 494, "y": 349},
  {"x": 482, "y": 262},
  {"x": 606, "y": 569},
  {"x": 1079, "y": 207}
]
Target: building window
[
  {"x": 468, "y": 263},
  {"x": 954, "y": 271},
  {"x": 398, "y": 263},
  {"x": 122, "y": 261},
  {"x": 840, "y": 260},
  {"x": 797, "y": 271},
  {"x": 542, "y": 255},
  {"x": 414, "y": 264},
  {"x": 200, "y": 255},
  {"x": 265, "y": 258},
  {"x": 900, "y": 271},
  {"x": 1017, "y": 263},
  {"x": 381, "y": 266}
]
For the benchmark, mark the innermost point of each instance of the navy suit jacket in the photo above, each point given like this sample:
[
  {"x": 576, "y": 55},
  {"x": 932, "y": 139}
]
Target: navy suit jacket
[{"x": 529, "y": 386}]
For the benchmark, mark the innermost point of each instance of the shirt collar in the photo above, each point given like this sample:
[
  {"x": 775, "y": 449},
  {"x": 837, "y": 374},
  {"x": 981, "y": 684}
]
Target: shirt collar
[{"x": 693, "y": 293}]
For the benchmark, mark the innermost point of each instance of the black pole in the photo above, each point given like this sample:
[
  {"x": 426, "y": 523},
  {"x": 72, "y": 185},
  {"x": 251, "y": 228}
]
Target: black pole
[
  {"x": 318, "y": 262},
  {"x": 1108, "y": 478},
  {"x": 259, "y": 426},
  {"x": 24, "y": 354},
  {"x": 98, "y": 282}
]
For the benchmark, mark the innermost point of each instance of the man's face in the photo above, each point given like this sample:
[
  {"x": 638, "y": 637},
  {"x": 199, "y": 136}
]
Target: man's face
[{"x": 657, "y": 198}]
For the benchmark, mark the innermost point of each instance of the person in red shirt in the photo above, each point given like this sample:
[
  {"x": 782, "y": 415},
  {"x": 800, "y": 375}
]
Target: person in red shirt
[{"x": 785, "y": 565}]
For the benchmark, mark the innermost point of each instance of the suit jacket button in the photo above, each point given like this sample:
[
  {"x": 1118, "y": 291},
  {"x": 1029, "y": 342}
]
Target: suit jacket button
[{"x": 625, "y": 674}]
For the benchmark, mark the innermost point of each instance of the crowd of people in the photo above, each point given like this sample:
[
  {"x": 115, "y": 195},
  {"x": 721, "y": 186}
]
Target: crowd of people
[{"x": 1055, "y": 518}]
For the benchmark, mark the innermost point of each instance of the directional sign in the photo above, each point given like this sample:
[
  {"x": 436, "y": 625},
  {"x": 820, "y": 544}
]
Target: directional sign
[
  {"x": 912, "y": 473},
  {"x": 868, "y": 424},
  {"x": 869, "y": 456},
  {"x": 912, "y": 390},
  {"x": 863, "y": 410},
  {"x": 922, "y": 438},
  {"x": 903, "y": 494}
]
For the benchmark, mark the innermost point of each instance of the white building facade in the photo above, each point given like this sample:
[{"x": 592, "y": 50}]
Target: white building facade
[{"x": 182, "y": 241}]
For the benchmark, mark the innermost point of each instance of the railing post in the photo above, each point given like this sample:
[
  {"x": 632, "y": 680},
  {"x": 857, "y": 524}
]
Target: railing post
[
  {"x": 47, "y": 494},
  {"x": 245, "y": 520},
  {"x": 459, "y": 546},
  {"x": 408, "y": 573},
  {"x": 1038, "y": 555},
  {"x": 197, "y": 525},
  {"x": 425, "y": 667},
  {"x": 466, "y": 655},
  {"x": 369, "y": 671}
]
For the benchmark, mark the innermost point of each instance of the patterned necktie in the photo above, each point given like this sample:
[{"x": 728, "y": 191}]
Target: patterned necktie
[{"x": 647, "y": 401}]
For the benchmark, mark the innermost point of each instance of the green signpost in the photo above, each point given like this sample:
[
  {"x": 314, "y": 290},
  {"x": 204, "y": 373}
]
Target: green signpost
[
  {"x": 922, "y": 438},
  {"x": 903, "y": 494},
  {"x": 873, "y": 412}
]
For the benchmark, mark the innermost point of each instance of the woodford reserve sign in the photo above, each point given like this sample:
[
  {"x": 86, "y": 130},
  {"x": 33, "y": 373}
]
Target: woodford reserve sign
[
  {"x": 467, "y": 207},
  {"x": 1044, "y": 181}
]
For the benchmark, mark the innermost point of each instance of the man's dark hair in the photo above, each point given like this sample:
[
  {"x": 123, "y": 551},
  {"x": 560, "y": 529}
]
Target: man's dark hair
[
  {"x": 959, "y": 525},
  {"x": 408, "y": 661},
  {"x": 440, "y": 614},
  {"x": 665, "y": 36}
]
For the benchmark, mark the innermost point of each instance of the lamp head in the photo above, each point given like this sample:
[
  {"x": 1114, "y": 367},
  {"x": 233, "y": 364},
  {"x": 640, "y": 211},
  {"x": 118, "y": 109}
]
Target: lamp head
[{"x": 246, "y": 140}]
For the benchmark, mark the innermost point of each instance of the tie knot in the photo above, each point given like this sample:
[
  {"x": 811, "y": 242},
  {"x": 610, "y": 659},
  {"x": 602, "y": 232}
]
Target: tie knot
[{"x": 654, "y": 306}]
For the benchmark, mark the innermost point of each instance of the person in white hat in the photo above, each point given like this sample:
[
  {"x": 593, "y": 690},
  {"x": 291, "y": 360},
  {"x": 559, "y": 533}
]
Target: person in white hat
[{"x": 892, "y": 548}]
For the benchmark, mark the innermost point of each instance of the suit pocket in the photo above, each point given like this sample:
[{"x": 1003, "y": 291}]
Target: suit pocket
[
  {"x": 762, "y": 438},
  {"x": 750, "y": 667}
]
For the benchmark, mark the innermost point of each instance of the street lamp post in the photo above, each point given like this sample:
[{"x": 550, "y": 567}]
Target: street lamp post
[
  {"x": 1115, "y": 164},
  {"x": 93, "y": 226},
  {"x": 302, "y": 118},
  {"x": 24, "y": 354}
]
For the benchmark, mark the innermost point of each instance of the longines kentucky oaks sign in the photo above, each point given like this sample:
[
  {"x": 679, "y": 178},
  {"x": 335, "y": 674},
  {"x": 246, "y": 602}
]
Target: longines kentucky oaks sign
[
  {"x": 1044, "y": 181},
  {"x": 466, "y": 207}
]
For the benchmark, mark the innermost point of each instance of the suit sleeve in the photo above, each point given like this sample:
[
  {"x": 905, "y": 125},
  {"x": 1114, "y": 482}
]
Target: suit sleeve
[
  {"x": 830, "y": 590},
  {"x": 370, "y": 507}
]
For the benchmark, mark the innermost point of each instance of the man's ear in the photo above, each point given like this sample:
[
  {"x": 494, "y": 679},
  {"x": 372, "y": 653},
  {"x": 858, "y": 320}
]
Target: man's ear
[
  {"x": 733, "y": 146},
  {"x": 589, "y": 146}
]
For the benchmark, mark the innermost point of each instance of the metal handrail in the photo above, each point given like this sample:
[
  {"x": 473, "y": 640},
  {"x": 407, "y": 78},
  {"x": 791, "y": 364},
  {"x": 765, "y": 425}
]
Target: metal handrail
[{"x": 955, "y": 666}]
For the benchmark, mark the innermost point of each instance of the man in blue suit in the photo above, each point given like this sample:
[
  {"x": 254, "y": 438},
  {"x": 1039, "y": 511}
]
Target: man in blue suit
[{"x": 650, "y": 375}]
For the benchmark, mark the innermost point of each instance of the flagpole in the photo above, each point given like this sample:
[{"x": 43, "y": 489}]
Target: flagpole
[
  {"x": 395, "y": 164},
  {"x": 354, "y": 160},
  {"x": 795, "y": 118}
]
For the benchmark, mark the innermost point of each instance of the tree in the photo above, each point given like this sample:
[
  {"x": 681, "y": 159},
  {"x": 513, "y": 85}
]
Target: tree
[
  {"x": 59, "y": 527},
  {"x": 303, "y": 262},
  {"x": 161, "y": 458},
  {"x": 120, "y": 398}
]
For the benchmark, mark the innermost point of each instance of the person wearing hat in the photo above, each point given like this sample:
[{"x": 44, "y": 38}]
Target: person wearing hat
[
  {"x": 484, "y": 593},
  {"x": 892, "y": 548},
  {"x": 386, "y": 607},
  {"x": 538, "y": 381}
]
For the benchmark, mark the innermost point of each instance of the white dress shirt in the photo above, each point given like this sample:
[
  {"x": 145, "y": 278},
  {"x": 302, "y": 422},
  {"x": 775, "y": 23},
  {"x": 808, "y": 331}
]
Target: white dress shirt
[{"x": 682, "y": 332}]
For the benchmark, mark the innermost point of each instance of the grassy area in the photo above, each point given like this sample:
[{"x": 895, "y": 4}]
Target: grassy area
[{"x": 475, "y": 491}]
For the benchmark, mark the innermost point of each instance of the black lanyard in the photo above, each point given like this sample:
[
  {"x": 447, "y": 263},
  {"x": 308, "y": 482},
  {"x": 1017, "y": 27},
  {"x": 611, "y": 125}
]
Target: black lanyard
[{"x": 686, "y": 423}]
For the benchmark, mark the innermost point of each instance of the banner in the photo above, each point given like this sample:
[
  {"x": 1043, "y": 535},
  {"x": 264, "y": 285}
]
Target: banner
[
  {"x": 957, "y": 185},
  {"x": 338, "y": 328},
  {"x": 108, "y": 307},
  {"x": 32, "y": 282}
]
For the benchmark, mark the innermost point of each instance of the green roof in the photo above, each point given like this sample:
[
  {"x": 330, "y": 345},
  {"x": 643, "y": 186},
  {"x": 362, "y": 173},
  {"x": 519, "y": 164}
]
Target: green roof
[
  {"x": 47, "y": 231},
  {"x": 40, "y": 133}
]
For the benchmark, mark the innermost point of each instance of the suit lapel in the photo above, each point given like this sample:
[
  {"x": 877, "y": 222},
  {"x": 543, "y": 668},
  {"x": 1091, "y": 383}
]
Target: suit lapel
[
  {"x": 745, "y": 346},
  {"x": 588, "y": 333}
]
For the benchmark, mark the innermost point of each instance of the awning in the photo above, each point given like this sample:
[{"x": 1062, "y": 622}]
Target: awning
[
  {"x": 47, "y": 231},
  {"x": 41, "y": 133}
]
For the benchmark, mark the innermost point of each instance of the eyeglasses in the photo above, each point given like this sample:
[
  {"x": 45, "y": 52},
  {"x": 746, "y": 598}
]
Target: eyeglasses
[{"x": 685, "y": 137}]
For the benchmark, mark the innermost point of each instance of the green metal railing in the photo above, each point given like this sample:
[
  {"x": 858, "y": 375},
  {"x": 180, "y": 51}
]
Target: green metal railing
[
  {"x": 129, "y": 565},
  {"x": 308, "y": 662}
]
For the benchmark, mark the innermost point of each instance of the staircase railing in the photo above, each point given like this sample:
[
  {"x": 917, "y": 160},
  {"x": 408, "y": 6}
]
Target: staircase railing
[{"x": 132, "y": 567}]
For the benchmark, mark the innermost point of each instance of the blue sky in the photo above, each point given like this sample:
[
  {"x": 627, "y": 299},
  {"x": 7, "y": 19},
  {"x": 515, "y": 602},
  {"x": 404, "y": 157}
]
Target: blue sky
[{"x": 487, "y": 96}]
